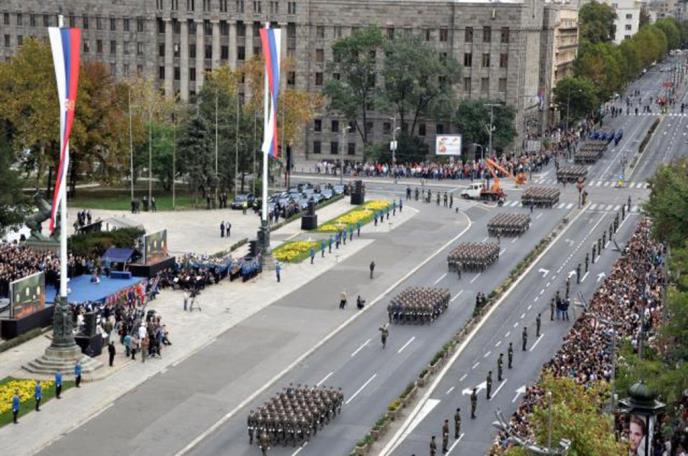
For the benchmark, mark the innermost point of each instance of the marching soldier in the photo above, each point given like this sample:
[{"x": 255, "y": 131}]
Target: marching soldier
[
  {"x": 551, "y": 309},
  {"x": 500, "y": 364},
  {"x": 251, "y": 426},
  {"x": 604, "y": 239},
  {"x": 629, "y": 203},
  {"x": 538, "y": 322},
  {"x": 510, "y": 354},
  {"x": 578, "y": 273},
  {"x": 587, "y": 261},
  {"x": 384, "y": 332},
  {"x": 594, "y": 252},
  {"x": 616, "y": 222},
  {"x": 457, "y": 423},
  {"x": 489, "y": 385},
  {"x": 445, "y": 436},
  {"x": 611, "y": 231},
  {"x": 474, "y": 402},
  {"x": 524, "y": 336},
  {"x": 623, "y": 212},
  {"x": 568, "y": 287},
  {"x": 599, "y": 245},
  {"x": 433, "y": 446},
  {"x": 264, "y": 443}
]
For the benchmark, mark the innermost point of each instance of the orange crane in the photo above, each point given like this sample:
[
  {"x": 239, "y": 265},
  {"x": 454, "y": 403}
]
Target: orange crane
[{"x": 492, "y": 165}]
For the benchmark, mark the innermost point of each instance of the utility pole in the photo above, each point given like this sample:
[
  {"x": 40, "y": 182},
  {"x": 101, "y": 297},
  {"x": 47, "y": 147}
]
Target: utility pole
[
  {"x": 393, "y": 144},
  {"x": 491, "y": 106},
  {"x": 236, "y": 147},
  {"x": 131, "y": 151},
  {"x": 254, "y": 149},
  {"x": 150, "y": 154},
  {"x": 174, "y": 158},
  {"x": 345, "y": 130},
  {"x": 217, "y": 174}
]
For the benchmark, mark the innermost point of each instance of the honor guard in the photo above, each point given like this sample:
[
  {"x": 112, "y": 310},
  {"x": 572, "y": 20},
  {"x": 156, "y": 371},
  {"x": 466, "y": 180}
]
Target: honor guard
[
  {"x": 251, "y": 426},
  {"x": 384, "y": 332},
  {"x": 538, "y": 323},
  {"x": 433, "y": 446},
  {"x": 457, "y": 423},
  {"x": 474, "y": 402},
  {"x": 587, "y": 262},
  {"x": 445, "y": 436},
  {"x": 488, "y": 391},
  {"x": 510, "y": 355},
  {"x": 551, "y": 309},
  {"x": 500, "y": 366},
  {"x": 264, "y": 443},
  {"x": 578, "y": 273},
  {"x": 524, "y": 336}
]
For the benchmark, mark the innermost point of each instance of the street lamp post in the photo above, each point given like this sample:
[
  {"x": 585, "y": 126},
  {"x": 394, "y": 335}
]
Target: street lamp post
[
  {"x": 131, "y": 150},
  {"x": 491, "y": 129},
  {"x": 345, "y": 130},
  {"x": 482, "y": 150}
]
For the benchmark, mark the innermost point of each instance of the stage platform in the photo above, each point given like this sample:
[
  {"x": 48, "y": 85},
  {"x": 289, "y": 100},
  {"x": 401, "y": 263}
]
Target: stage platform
[{"x": 82, "y": 290}]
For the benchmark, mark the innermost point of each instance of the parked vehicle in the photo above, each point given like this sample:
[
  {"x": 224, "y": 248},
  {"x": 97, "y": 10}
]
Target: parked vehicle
[{"x": 242, "y": 198}]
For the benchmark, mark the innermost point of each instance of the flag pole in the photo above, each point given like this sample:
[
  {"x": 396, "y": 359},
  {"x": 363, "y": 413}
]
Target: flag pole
[
  {"x": 266, "y": 111},
  {"x": 63, "y": 215}
]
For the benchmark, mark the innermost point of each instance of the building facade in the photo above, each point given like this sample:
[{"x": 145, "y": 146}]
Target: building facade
[
  {"x": 500, "y": 46},
  {"x": 627, "y": 20}
]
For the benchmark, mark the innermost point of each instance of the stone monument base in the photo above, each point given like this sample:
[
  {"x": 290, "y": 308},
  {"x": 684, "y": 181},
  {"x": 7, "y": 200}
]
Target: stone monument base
[{"x": 63, "y": 358}]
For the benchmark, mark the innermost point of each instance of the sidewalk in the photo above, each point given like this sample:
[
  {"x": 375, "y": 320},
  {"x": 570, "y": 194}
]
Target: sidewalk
[{"x": 223, "y": 306}]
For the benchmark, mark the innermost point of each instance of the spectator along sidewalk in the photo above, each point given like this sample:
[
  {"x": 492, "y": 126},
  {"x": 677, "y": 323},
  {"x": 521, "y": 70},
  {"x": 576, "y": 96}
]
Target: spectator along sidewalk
[{"x": 222, "y": 306}]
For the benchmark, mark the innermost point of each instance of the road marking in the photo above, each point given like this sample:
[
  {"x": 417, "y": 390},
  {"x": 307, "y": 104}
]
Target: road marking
[
  {"x": 542, "y": 291},
  {"x": 489, "y": 352},
  {"x": 523, "y": 315},
  {"x": 457, "y": 295},
  {"x": 548, "y": 284},
  {"x": 617, "y": 207},
  {"x": 584, "y": 276},
  {"x": 538, "y": 216},
  {"x": 424, "y": 411},
  {"x": 610, "y": 207},
  {"x": 593, "y": 206},
  {"x": 561, "y": 205},
  {"x": 324, "y": 379},
  {"x": 227, "y": 416},
  {"x": 634, "y": 209},
  {"x": 515, "y": 324},
  {"x": 441, "y": 277},
  {"x": 360, "y": 348},
  {"x": 299, "y": 450},
  {"x": 476, "y": 365},
  {"x": 513, "y": 241},
  {"x": 360, "y": 389},
  {"x": 530, "y": 306},
  {"x": 406, "y": 344},
  {"x": 473, "y": 279},
  {"x": 450, "y": 390},
  {"x": 519, "y": 391},
  {"x": 569, "y": 206},
  {"x": 498, "y": 388},
  {"x": 463, "y": 377},
  {"x": 499, "y": 342},
  {"x": 606, "y": 184},
  {"x": 454, "y": 444},
  {"x": 508, "y": 333},
  {"x": 501, "y": 252},
  {"x": 536, "y": 342},
  {"x": 485, "y": 239},
  {"x": 598, "y": 183}
]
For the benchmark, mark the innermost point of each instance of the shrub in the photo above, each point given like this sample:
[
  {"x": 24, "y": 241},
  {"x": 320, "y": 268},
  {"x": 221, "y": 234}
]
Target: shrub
[
  {"x": 395, "y": 404},
  {"x": 96, "y": 243}
]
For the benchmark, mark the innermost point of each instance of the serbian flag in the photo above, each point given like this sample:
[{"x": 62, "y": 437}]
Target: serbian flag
[
  {"x": 271, "y": 40},
  {"x": 65, "y": 44}
]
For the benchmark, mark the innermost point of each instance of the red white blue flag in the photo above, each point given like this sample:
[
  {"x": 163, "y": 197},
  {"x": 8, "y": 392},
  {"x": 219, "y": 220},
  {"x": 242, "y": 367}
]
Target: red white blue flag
[
  {"x": 65, "y": 44},
  {"x": 271, "y": 41}
]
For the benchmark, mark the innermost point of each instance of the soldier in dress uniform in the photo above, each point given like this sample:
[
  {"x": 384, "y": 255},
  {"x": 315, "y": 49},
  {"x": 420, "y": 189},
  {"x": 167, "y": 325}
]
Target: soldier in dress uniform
[
  {"x": 524, "y": 337},
  {"x": 510, "y": 354},
  {"x": 416, "y": 193},
  {"x": 587, "y": 262},
  {"x": 500, "y": 366},
  {"x": 408, "y": 192},
  {"x": 264, "y": 443},
  {"x": 578, "y": 273},
  {"x": 251, "y": 421},
  {"x": 451, "y": 200},
  {"x": 551, "y": 309},
  {"x": 488, "y": 380},
  {"x": 457, "y": 423},
  {"x": 445, "y": 436},
  {"x": 384, "y": 332},
  {"x": 474, "y": 402},
  {"x": 433, "y": 446},
  {"x": 445, "y": 199},
  {"x": 438, "y": 198},
  {"x": 538, "y": 322}
]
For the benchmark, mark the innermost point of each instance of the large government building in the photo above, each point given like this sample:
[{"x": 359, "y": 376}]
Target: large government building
[{"x": 513, "y": 51}]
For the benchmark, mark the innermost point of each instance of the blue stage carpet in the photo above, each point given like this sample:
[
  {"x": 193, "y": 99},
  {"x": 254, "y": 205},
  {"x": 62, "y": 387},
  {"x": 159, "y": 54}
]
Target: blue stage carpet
[{"x": 81, "y": 289}]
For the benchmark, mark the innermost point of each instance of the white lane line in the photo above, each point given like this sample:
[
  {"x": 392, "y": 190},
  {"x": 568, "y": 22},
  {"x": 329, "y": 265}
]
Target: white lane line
[
  {"x": 441, "y": 277},
  {"x": 513, "y": 241},
  {"x": 360, "y": 348},
  {"x": 530, "y": 306},
  {"x": 450, "y": 390},
  {"x": 538, "y": 216},
  {"x": 489, "y": 352},
  {"x": 474, "y": 278},
  {"x": 536, "y": 342},
  {"x": 251, "y": 398},
  {"x": 606, "y": 184},
  {"x": 498, "y": 388},
  {"x": 463, "y": 377},
  {"x": 508, "y": 333},
  {"x": 542, "y": 291},
  {"x": 501, "y": 252},
  {"x": 457, "y": 295},
  {"x": 499, "y": 342},
  {"x": 634, "y": 209},
  {"x": 476, "y": 365},
  {"x": 515, "y": 324},
  {"x": 548, "y": 284},
  {"x": 406, "y": 344},
  {"x": 324, "y": 379},
  {"x": 454, "y": 444},
  {"x": 536, "y": 298},
  {"x": 360, "y": 389},
  {"x": 485, "y": 239},
  {"x": 299, "y": 449},
  {"x": 523, "y": 315},
  {"x": 422, "y": 413},
  {"x": 584, "y": 276}
]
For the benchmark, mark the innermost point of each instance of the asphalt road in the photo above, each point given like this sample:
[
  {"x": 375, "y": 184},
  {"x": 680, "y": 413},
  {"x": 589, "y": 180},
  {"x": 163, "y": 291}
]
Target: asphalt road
[{"x": 166, "y": 413}]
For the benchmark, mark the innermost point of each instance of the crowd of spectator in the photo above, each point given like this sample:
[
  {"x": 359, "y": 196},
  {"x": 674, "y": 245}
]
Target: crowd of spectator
[{"x": 630, "y": 300}]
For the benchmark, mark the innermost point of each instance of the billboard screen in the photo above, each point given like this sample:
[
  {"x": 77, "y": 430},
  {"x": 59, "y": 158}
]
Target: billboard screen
[
  {"x": 448, "y": 145},
  {"x": 27, "y": 295},
  {"x": 155, "y": 247}
]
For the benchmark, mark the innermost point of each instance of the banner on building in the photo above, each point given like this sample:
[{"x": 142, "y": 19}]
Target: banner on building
[
  {"x": 448, "y": 145},
  {"x": 27, "y": 295}
]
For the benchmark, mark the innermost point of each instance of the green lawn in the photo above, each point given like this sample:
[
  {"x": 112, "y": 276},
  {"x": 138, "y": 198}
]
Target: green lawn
[
  {"x": 30, "y": 405},
  {"x": 115, "y": 202}
]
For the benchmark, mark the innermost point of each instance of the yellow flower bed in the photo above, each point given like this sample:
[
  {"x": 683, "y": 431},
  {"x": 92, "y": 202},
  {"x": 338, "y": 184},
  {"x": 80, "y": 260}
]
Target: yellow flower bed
[
  {"x": 294, "y": 251},
  {"x": 361, "y": 214},
  {"x": 26, "y": 390}
]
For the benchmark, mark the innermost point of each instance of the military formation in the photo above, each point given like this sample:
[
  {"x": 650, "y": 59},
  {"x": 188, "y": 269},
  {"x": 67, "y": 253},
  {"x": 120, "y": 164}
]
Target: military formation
[
  {"x": 293, "y": 415},
  {"x": 507, "y": 224},
  {"x": 590, "y": 151},
  {"x": 473, "y": 256},
  {"x": 418, "y": 305},
  {"x": 572, "y": 173},
  {"x": 540, "y": 197}
]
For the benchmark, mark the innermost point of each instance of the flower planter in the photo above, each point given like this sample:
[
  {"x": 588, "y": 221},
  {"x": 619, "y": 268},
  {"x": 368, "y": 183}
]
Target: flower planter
[{"x": 361, "y": 450}]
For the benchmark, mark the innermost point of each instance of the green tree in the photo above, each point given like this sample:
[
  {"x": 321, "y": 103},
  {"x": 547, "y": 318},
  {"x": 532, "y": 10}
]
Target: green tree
[
  {"x": 473, "y": 121},
  {"x": 410, "y": 149},
  {"x": 419, "y": 81},
  {"x": 671, "y": 30},
  {"x": 596, "y": 22},
  {"x": 630, "y": 58},
  {"x": 354, "y": 93},
  {"x": 668, "y": 203},
  {"x": 601, "y": 64},
  {"x": 575, "y": 98},
  {"x": 11, "y": 197}
]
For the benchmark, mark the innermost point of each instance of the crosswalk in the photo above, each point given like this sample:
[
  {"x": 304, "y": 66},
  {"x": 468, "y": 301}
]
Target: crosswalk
[
  {"x": 657, "y": 114},
  {"x": 595, "y": 183},
  {"x": 595, "y": 207}
]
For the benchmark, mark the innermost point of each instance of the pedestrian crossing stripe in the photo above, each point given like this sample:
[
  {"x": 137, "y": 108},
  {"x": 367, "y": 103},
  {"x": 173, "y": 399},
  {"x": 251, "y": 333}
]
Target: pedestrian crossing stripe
[
  {"x": 561, "y": 205},
  {"x": 593, "y": 207},
  {"x": 606, "y": 184},
  {"x": 598, "y": 183},
  {"x": 617, "y": 207},
  {"x": 634, "y": 209},
  {"x": 610, "y": 207},
  {"x": 569, "y": 206}
]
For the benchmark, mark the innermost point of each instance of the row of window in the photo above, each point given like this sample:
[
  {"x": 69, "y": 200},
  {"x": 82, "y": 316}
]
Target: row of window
[
  {"x": 485, "y": 61},
  {"x": 50, "y": 20},
  {"x": 208, "y": 27},
  {"x": 334, "y": 148},
  {"x": 386, "y": 127},
  {"x": 468, "y": 34},
  {"x": 222, "y": 5}
]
